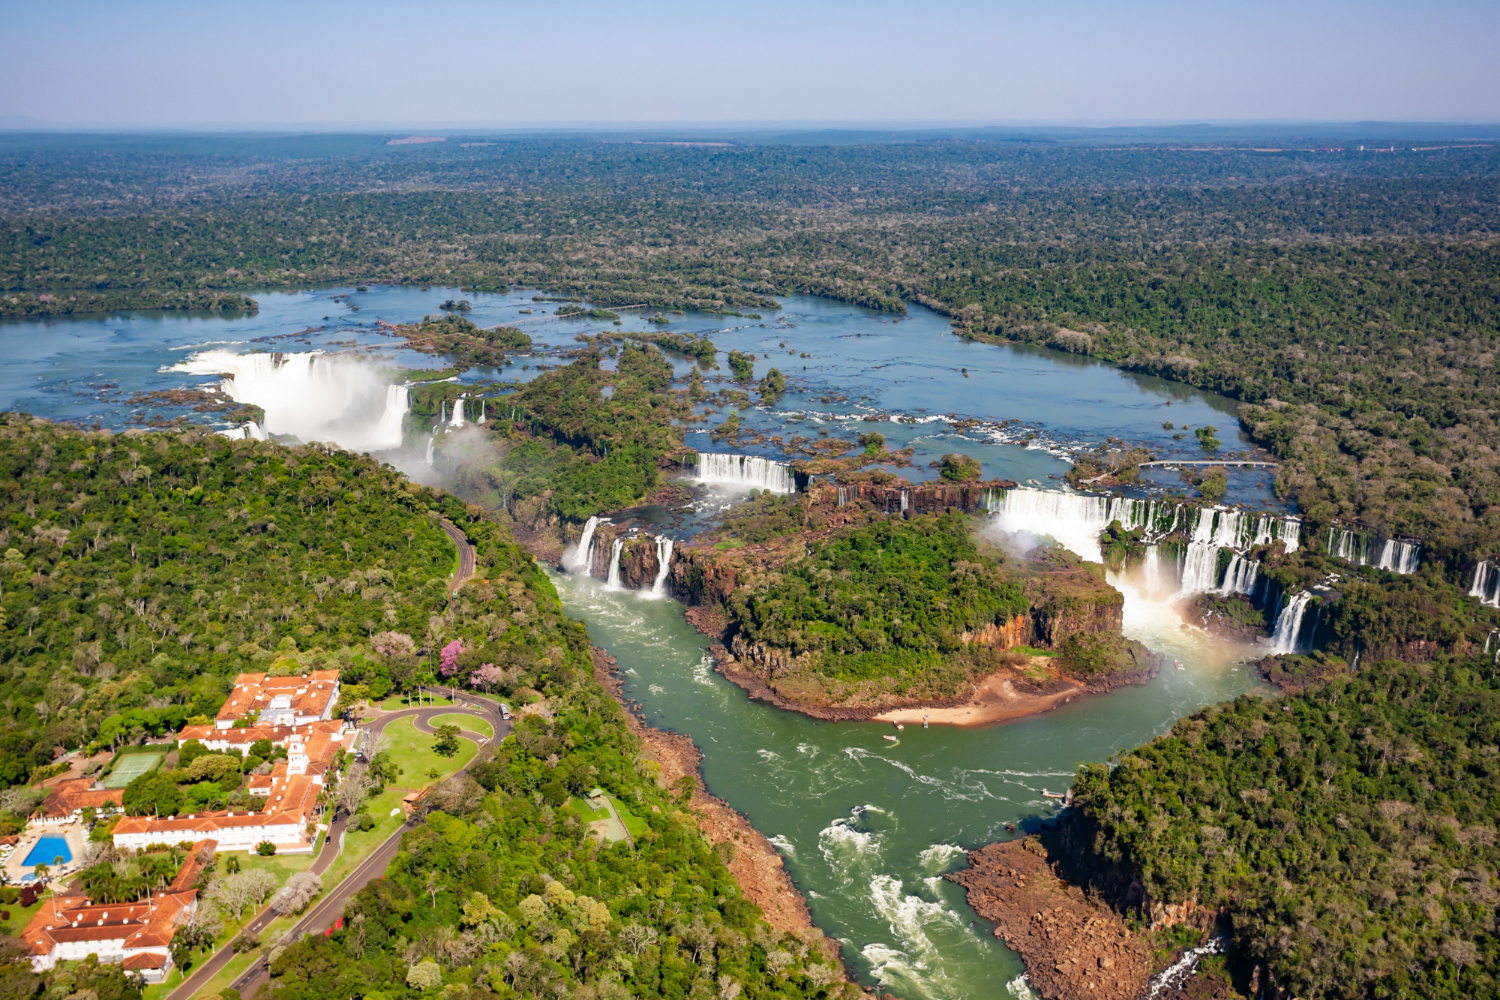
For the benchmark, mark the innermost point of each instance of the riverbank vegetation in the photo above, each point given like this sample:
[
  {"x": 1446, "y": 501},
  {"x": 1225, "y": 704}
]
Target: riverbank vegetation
[
  {"x": 161, "y": 565},
  {"x": 1348, "y": 299},
  {"x": 914, "y": 609},
  {"x": 893, "y": 598},
  {"x": 1348, "y": 832},
  {"x": 85, "y": 301},
  {"x": 581, "y": 439}
]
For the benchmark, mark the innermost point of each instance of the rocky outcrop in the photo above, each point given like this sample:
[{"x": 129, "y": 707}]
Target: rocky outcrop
[
  {"x": 1013, "y": 633},
  {"x": 1073, "y": 944},
  {"x": 697, "y": 577},
  {"x": 1058, "y": 615},
  {"x": 773, "y": 663}
]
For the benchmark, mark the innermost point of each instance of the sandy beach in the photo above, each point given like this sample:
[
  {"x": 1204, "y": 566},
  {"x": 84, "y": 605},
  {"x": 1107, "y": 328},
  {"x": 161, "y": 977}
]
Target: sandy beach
[{"x": 995, "y": 700}]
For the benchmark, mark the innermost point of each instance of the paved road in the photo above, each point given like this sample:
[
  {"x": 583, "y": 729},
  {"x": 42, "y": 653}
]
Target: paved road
[
  {"x": 465, "y": 554},
  {"x": 331, "y": 906}
]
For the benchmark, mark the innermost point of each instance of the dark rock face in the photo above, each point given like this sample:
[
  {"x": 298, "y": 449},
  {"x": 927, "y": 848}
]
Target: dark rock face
[
  {"x": 933, "y": 498},
  {"x": 638, "y": 558}
]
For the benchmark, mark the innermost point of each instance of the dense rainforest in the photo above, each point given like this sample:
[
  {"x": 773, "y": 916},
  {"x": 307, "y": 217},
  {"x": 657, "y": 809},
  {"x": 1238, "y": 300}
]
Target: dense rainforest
[
  {"x": 1348, "y": 297},
  {"x": 144, "y": 570},
  {"x": 1349, "y": 300},
  {"x": 1348, "y": 831},
  {"x": 894, "y": 600}
]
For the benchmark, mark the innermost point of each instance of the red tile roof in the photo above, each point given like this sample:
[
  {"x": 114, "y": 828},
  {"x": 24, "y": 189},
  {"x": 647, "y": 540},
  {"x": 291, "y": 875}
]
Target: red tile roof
[{"x": 79, "y": 793}]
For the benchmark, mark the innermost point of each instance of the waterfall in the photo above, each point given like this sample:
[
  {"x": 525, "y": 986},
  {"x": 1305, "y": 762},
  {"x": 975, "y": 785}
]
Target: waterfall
[
  {"x": 397, "y": 403},
  {"x": 482, "y": 417},
  {"x": 1486, "y": 585},
  {"x": 613, "y": 580},
  {"x": 1073, "y": 519},
  {"x": 457, "y": 419},
  {"x": 430, "y": 442},
  {"x": 663, "y": 563},
  {"x": 1153, "y": 570},
  {"x": 1289, "y": 625},
  {"x": 1241, "y": 576},
  {"x": 250, "y": 431},
  {"x": 582, "y": 558},
  {"x": 1076, "y": 521},
  {"x": 1200, "y": 568},
  {"x": 905, "y": 500},
  {"x": 311, "y": 396},
  {"x": 843, "y": 495},
  {"x": 1356, "y": 547},
  {"x": 442, "y": 414},
  {"x": 1348, "y": 545},
  {"x": 746, "y": 470},
  {"x": 1399, "y": 557}
]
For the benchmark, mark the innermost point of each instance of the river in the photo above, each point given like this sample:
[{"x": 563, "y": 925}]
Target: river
[{"x": 867, "y": 827}]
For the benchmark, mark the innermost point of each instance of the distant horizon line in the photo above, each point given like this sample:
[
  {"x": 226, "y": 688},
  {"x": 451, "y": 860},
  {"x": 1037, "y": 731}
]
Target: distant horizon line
[{"x": 27, "y": 123}]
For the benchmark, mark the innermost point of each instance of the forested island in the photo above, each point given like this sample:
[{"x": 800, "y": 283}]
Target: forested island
[{"x": 1335, "y": 840}]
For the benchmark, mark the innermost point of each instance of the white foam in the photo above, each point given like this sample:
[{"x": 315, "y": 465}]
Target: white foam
[
  {"x": 311, "y": 396},
  {"x": 940, "y": 855},
  {"x": 1020, "y": 988},
  {"x": 910, "y": 918},
  {"x": 839, "y": 838},
  {"x": 783, "y": 845}
]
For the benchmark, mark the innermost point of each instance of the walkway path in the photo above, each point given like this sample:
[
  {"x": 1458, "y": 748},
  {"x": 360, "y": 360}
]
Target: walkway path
[
  {"x": 331, "y": 906},
  {"x": 1238, "y": 463}
]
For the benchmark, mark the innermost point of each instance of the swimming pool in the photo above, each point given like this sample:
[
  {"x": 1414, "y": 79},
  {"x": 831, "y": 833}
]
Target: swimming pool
[{"x": 47, "y": 851}]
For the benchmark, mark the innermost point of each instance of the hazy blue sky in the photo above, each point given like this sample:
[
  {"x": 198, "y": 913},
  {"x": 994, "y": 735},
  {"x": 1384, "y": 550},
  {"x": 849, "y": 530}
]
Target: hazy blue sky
[{"x": 451, "y": 62}]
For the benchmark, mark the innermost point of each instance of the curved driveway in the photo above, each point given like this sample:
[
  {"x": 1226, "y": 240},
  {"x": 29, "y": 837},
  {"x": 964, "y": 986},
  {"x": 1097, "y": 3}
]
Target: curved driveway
[{"x": 331, "y": 906}]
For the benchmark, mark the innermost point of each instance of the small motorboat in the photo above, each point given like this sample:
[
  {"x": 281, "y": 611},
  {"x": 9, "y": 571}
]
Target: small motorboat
[
  {"x": 891, "y": 738},
  {"x": 1178, "y": 665},
  {"x": 924, "y": 722},
  {"x": 900, "y": 725},
  {"x": 1053, "y": 795}
]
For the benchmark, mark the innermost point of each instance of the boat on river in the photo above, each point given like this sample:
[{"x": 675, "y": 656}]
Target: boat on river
[{"x": 891, "y": 738}]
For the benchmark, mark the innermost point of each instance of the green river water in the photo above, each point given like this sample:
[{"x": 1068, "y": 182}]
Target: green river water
[{"x": 868, "y": 827}]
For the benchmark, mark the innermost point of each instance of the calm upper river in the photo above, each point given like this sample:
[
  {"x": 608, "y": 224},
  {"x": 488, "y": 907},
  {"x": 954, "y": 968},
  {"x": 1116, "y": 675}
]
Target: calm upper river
[{"x": 867, "y": 827}]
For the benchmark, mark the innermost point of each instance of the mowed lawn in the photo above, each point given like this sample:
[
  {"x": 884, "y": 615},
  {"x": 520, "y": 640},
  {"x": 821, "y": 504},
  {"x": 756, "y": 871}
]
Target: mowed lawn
[
  {"x": 473, "y": 723},
  {"x": 412, "y": 752},
  {"x": 399, "y": 702}
]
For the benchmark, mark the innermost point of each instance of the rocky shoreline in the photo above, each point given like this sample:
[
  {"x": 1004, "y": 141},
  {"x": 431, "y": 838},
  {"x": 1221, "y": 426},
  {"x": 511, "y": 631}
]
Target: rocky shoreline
[
  {"x": 1074, "y": 945},
  {"x": 756, "y": 864}
]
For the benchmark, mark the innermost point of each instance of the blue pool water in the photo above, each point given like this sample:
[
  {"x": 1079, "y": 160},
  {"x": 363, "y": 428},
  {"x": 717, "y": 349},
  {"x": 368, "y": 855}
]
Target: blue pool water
[{"x": 47, "y": 850}]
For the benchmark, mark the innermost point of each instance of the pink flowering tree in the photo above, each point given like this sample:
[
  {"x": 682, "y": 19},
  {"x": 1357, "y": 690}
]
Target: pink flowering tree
[
  {"x": 448, "y": 658},
  {"x": 394, "y": 645},
  {"x": 487, "y": 676}
]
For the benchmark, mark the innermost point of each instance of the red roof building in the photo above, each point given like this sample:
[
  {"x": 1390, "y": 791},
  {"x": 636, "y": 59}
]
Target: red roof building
[{"x": 70, "y": 926}]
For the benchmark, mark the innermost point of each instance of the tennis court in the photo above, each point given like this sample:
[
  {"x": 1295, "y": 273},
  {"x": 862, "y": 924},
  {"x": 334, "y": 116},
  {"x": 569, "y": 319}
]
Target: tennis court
[{"x": 129, "y": 766}]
